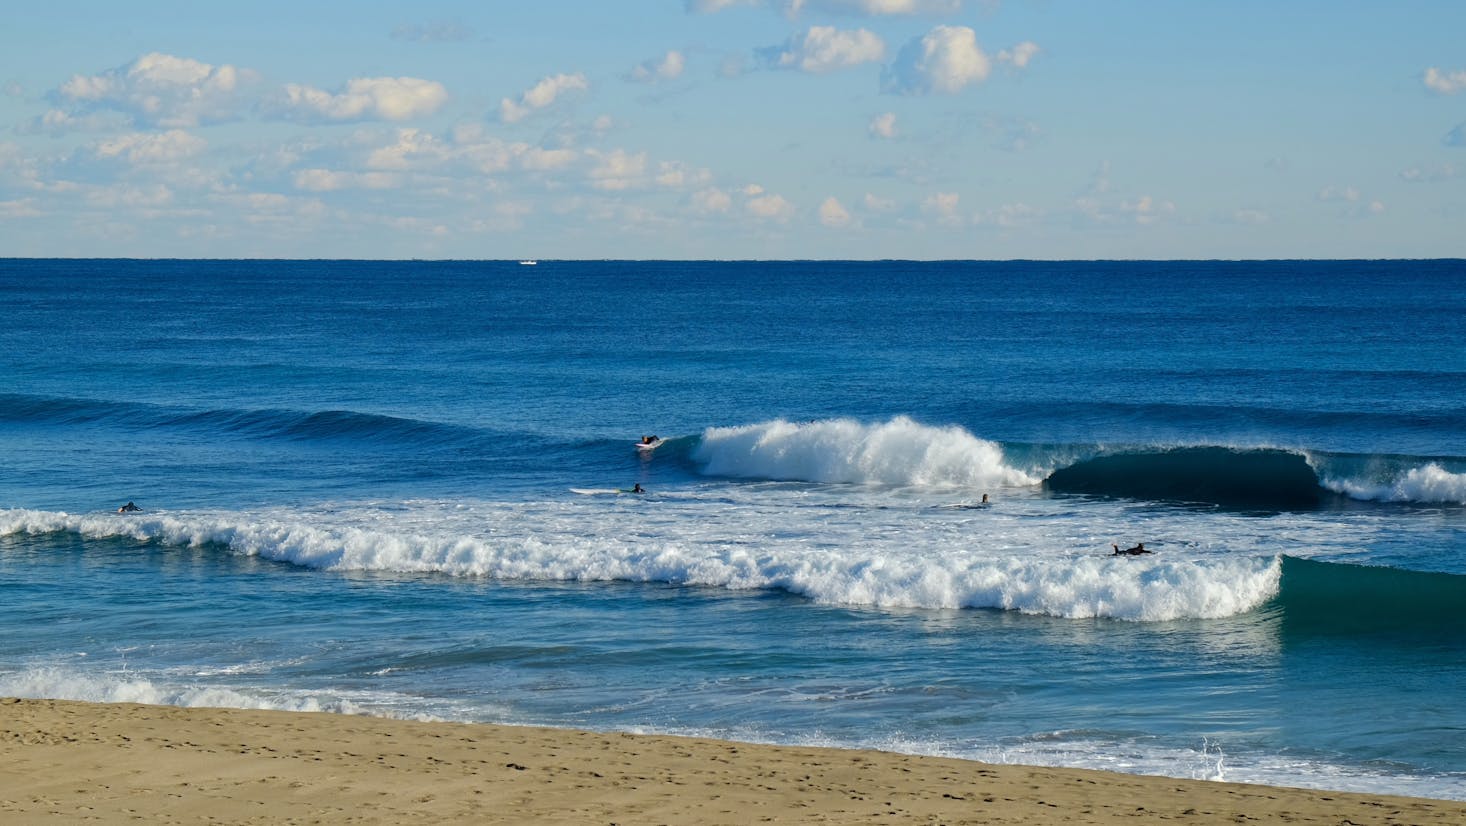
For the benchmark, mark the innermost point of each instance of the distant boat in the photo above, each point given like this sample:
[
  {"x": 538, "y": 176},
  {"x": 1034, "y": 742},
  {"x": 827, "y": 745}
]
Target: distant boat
[{"x": 529, "y": 263}]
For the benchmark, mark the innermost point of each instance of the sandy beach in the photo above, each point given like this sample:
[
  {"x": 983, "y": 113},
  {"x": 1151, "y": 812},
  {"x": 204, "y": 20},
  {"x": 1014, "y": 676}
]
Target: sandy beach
[{"x": 113, "y": 763}]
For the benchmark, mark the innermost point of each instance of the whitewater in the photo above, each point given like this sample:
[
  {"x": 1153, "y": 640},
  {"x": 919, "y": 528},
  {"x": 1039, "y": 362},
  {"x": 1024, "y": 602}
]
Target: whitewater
[{"x": 882, "y": 514}]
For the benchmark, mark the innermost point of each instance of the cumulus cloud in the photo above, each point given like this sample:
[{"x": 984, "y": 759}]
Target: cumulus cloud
[
  {"x": 365, "y": 98},
  {"x": 675, "y": 174},
  {"x": 824, "y": 49},
  {"x": 541, "y": 95},
  {"x": 668, "y": 67},
  {"x": 711, "y": 200},
  {"x": 833, "y": 214},
  {"x": 1019, "y": 56},
  {"x": 151, "y": 148},
  {"x": 1446, "y": 83},
  {"x": 876, "y": 203},
  {"x": 883, "y": 125},
  {"x": 163, "y": 90},
  {"x": 943, "y": 205},
  {"x": 767, "y": 205},
  {"x": 946, "y": 59},
  {"x": 617, "y": 169}
]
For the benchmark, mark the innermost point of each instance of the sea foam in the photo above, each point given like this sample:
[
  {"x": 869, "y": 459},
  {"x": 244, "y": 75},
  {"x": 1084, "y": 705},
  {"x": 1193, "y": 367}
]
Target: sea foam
[{"x": 889, "y": 574}]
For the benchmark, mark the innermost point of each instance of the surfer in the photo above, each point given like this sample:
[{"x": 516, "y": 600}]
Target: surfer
[
  {"x": 649, "y": 440},
  {"x": 1135, "y": 551},
  {"x": 636, "y": 488},
  {"x": 128, "y": 508},
  {"x": 984, "y": 499}
]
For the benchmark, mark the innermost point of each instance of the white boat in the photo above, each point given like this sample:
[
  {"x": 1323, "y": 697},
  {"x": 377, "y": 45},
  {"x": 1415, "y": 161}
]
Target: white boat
[{"x": 529, "y": 263}]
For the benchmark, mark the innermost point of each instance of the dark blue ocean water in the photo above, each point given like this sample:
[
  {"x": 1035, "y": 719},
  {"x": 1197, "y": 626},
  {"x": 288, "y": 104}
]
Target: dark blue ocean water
[{"x": 358, "y": 484}]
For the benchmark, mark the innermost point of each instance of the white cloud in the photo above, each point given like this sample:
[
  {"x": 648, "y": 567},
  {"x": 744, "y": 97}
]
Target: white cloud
[
  {"x": 365, "y": 98},
  {"x": 326, "y": 180},
  {"x": 151, "y": 148},
  {"x": 877, "y": 204},
  {"x": 412, "y": 146},
  {"x": 675, "y": 174},
  {"x": 132, "y": 197},
  {"x": 883, "y": 125},
  {"x": 617, "y": 169},
  {"x": 669, "y": 67},
  {"x": 21, "y": 208},
  {"x": 541, "y": 95},
  {"x": 769, "y": 207},
  {"x": 1019, "y": 56},
  {"x": 163, "y": 90},
  {"x": 1008, "y": 216},
  {"x": 944, "y": 206},
  {"x": 707, "y": 201},
  {"x": 1145, "y": 210},
  {"x": 1338, "y": 193},
  {"x": 1447, "y": 83},
  {"x": 834, "y": 214},
  {"x": 826, "y": 49},
  {"x": 1432, "y": 176},
  {"x": 946, "y": 59}
]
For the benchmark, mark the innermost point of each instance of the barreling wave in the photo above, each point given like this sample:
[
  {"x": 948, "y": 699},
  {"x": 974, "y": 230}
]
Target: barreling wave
[
  {"x": 1087, "y": 586},
  {"x": 1258, "y": 477},
  {"x": 903, "y": 452},
  {"x": 1214, "y": 475},
  {"x": 897, "y": 452}
]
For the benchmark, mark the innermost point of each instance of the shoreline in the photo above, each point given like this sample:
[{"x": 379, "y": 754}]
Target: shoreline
[{"x": 109, "y": 763}]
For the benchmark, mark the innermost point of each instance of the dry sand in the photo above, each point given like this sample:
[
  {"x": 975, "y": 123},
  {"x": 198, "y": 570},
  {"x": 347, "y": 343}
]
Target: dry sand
[{"x": 65, "y": 762}]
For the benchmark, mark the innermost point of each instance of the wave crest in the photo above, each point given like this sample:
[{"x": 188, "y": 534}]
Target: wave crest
[{"x": 897, "y": 452}]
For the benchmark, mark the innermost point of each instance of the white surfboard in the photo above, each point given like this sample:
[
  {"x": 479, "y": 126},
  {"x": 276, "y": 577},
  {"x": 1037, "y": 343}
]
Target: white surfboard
[
  {"x": 649, "y": 446},
  {"x": 596, "y": 491}
]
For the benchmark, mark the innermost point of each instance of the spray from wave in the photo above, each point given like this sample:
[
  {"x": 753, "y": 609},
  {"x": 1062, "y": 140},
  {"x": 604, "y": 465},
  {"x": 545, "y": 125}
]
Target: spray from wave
[{"x": 899, "y": 452}]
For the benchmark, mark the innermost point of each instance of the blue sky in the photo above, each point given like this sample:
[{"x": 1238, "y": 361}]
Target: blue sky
[{"x": 986, "y": 129}]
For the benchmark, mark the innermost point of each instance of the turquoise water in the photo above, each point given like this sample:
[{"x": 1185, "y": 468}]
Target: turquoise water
[{"x": 355, "y": 481}]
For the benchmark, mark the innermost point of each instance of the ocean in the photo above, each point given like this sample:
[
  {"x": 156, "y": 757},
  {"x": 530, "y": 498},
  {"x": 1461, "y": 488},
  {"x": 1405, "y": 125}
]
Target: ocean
[{"x": 357, "y": 484}]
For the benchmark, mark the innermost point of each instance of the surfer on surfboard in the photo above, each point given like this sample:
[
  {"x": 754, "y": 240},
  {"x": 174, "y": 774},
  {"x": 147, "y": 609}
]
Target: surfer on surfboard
[
  {"x": 128, "y": 508},
  {"x": 1135, "y": 551}
]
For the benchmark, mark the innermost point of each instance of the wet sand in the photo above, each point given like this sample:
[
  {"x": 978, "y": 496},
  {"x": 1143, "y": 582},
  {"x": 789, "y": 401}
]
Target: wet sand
[{"x": 66, "y": 762}]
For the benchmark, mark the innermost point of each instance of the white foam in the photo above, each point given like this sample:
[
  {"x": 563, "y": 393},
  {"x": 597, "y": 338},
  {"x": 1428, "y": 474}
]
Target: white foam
[
  {"x": 1430, "y": 484},
  {"x": 57, "y": 683},
  {"x": 897, "y": 452},
  {"x": 889, "y": 559}
]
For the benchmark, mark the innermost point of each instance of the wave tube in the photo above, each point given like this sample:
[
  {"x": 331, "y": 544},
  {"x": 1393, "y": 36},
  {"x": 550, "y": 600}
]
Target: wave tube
[
  {"x": 1263, "y": 478},
  {"x": 897, "y": 452}
]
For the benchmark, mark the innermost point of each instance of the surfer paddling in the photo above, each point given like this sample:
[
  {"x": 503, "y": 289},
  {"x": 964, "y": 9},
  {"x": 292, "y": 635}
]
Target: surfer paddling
[
  {"x": 128, "y": 508},
  {"x": 1135, "y": 551}
]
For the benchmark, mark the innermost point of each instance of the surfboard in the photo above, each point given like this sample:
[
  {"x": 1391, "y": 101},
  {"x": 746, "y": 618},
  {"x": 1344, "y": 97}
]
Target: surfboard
[
  {"x": 649, "y": 446},
  {"x": 597, "y": 491}
]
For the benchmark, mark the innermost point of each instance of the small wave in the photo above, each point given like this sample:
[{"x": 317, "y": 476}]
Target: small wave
[
  {"x": 897, "y": 452},
  {"x": 946, "y": 578},
  {"x": 57, "y": 683},
  {"x": 266, "y": 424}
]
